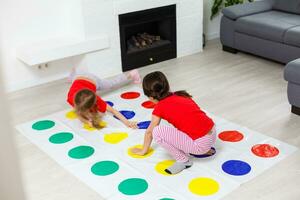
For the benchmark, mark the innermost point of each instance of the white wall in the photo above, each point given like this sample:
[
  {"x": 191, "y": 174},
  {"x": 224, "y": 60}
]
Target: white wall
[
  {"x": 10, "y": 181},
  {"x": 189, "y": 28},
  {"x": 211, "y": 27},
  {"x": 24, "y": 22}
]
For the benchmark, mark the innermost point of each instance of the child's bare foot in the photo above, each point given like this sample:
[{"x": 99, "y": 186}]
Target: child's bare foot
[{"x": 135, "y": 76}]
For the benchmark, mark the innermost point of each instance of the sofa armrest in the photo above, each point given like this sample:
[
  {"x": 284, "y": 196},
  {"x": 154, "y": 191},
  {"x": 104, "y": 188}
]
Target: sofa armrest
[
  {"x": 241, "y": 10},
  {"x": 292, "y": 72}
]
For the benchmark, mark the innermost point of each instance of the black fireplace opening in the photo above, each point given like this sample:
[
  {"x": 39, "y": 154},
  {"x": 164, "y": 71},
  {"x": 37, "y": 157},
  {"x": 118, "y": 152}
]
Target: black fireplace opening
[{"x": 148, "y": 36}]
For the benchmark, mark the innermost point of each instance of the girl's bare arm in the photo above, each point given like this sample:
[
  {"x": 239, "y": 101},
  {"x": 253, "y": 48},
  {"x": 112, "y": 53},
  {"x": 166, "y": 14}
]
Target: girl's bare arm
[
  {"x": 148, "y": 136},
  {"x": 121, "y": 117}
]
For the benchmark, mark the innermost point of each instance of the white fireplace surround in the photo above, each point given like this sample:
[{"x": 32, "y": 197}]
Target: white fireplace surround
[
  {"x": 88, "y": 20},
  {"x": 189, "y": 27}
]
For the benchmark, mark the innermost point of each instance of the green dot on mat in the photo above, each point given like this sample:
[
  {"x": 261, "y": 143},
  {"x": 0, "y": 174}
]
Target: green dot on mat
[
  {"x": 166, "y": 199},
  {"x": 81, "y": 152},
  {"x": 133, "y": 186},
  {"x": 105, "y": 168},
  {"x": 43, "y": 125},
  {"x": 61, "y": 138}
]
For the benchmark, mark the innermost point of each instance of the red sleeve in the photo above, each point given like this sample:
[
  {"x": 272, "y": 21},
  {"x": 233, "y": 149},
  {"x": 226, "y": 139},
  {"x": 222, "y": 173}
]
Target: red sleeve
[
  {"x": 70, "y": 97},
  {"x": 101, "y": 105},
  {"x": 157, "y": 111},
  {"x": 70, "y": 101}
]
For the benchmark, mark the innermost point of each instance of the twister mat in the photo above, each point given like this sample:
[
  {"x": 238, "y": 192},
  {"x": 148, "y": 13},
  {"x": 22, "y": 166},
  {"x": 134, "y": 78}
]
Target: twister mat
[{"x": 101, "y": 158}]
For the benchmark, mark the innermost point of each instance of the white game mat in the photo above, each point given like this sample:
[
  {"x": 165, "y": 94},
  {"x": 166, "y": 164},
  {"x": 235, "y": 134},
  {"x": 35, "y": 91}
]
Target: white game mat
[{"x": 100, "y": 158}]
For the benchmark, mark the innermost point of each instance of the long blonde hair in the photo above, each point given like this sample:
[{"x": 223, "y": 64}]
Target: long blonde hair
[{"x": 86, "y": 107}]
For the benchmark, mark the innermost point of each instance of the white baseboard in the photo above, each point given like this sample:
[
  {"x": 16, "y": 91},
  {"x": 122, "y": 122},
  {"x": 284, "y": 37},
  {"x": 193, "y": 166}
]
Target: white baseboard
[
  {"x": 212, "y": 36},
  {"x": 28, "y": 84}
]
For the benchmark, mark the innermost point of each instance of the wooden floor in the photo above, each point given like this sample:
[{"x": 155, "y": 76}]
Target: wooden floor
[{"x": 241, "y": 88}]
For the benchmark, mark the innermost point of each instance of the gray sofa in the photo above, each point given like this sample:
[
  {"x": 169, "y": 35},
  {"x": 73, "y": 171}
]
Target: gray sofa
[
  {"x": 292, "y": 75},
  {"x": 267, "y": 28}
]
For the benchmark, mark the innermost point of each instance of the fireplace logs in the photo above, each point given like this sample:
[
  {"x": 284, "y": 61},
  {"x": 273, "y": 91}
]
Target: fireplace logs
[
  {"x": 148, "y": 36},
  {"x": 142, "y": 40}
]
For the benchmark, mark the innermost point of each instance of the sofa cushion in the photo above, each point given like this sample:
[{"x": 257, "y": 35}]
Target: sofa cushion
[
  {"x": 292, "y": 6},
  {"x": 292, "y": 36},
  {"x": 292, "y": 71},
  {"x": 270, "y": 25},
  {"x": 240, "y": 10}
]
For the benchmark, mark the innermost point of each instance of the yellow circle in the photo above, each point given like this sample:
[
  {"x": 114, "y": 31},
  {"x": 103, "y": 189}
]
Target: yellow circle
[
  {"x": 102, "y": 124},
  {"x": 71, "y": 115},
  {"x": 88, "y": 127},
  {"x": 150, "y": 152},
  {"x": 115, "y": 138},
  {"x": 203, "y": 186},
  {"x": 161, "y": 166}
]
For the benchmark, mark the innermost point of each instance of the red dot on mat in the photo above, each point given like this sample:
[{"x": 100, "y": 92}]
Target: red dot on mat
[
  {"x": 231, "y": 136},
  {"x": 148, "y": 104},
  {"x": 265, "y": 150},
  {"x": 130, "y": 95}
]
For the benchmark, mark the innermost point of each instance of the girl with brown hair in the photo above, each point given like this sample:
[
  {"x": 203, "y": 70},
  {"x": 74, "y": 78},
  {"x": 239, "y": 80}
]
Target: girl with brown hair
[{"x": 192, "y": 132}]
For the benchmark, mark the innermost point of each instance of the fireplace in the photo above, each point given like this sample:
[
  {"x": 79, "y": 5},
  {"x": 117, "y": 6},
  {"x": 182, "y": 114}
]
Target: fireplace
[{"x": 148, "y": 36}]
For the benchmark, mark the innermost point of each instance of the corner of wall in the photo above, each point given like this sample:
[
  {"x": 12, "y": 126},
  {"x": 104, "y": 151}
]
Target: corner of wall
[{"x": 211, "y": 27}]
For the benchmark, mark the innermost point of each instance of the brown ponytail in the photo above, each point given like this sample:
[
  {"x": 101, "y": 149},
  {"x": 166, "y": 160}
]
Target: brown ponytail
[{"x": 183, "y": 93}]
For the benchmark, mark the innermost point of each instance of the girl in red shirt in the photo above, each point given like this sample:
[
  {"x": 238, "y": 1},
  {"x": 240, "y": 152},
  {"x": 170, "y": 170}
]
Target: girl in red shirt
[
  {"x": 192, "y": 132},
  {"x": 88, "y": 105}
]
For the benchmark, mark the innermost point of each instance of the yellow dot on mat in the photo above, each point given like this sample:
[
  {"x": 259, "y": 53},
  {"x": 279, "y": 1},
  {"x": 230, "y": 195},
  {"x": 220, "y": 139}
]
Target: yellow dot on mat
[
  {"x": 161, "y": 166},
  {"x": 102, "y": 124},
  {"x": 203, "y": 186},
  {"x": 150, "y": 152},
  {"x": 88, "y": 127},
  {"x": 115, "y": 138},
  {"x": 71, "y": 115}
]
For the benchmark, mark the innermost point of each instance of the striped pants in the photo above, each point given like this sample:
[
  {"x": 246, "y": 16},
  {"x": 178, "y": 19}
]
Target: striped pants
[
  {"x": 101, "y": 84},
  {"x": 179, "y": 144}
]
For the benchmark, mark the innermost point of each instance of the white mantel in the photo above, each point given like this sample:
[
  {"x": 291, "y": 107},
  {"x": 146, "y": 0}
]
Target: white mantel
[{"x": 88, "y": 20}]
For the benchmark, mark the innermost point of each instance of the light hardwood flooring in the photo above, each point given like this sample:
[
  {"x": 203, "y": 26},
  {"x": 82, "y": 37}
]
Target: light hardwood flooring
[{"x": 241, "y": 88}]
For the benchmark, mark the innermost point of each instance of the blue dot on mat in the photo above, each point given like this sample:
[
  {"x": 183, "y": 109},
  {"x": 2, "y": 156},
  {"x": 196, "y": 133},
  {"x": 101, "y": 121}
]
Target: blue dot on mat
[
  {"x": 110, "y": 103},
  {"x": 236, "y": 167},
  {"x": 143, "y": 125},
  {"x": 127, "y": 114}
]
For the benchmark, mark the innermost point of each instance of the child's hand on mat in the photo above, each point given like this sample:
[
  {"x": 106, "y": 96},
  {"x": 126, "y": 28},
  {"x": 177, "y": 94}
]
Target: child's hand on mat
[
  {"x": 90, "y": 124},
  {"x": 131, "y": 124},
  {"x": 138, "y": 151}
]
